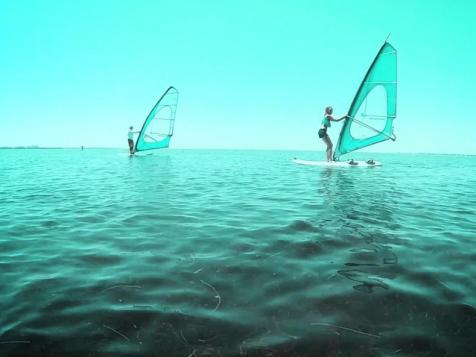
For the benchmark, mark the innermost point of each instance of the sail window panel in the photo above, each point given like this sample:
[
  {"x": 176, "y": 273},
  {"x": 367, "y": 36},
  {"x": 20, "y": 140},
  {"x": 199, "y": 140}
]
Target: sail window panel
[{"x": 371, "y": 116}]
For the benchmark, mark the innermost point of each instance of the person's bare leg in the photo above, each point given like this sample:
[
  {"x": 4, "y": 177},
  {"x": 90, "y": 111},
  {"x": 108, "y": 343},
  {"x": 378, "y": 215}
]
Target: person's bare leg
[{"x": 328, "y": 142}]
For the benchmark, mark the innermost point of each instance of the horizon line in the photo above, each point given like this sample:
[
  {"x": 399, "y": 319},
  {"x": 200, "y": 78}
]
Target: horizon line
[{"x": 36, "y": 147}]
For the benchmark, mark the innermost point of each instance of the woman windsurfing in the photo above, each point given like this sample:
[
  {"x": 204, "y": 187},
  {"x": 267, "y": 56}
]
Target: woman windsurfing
[{"x": 326, "y": 123}]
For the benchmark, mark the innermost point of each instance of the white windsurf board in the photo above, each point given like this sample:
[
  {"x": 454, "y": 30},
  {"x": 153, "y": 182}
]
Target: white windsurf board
[{"x": 353, "y": 163}]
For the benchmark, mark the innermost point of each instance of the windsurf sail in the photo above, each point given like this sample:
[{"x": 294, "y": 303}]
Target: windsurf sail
[
  {"x": 158, "y": 127},
  {"x": 371, "y": 114}
]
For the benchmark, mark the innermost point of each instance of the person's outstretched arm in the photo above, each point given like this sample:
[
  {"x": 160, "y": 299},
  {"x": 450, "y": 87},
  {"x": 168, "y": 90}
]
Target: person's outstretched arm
[{"x": 334, "y": 119}]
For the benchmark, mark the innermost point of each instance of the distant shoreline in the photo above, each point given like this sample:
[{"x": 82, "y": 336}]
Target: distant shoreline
[
  {"x": 34, "y": 147},
  {"x": 50, "y": 148}
]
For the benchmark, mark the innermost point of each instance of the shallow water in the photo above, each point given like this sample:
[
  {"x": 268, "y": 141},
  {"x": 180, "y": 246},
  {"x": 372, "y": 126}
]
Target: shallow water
[{"x": 236, "y": 253}]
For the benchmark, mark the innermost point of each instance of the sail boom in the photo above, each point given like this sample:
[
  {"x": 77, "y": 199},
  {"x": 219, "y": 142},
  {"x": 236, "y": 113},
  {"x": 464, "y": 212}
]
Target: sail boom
[
  {"x": 382, "y": 82},
  {"x": 374, "y": 129},
  {"x": 377, "y": 116}
]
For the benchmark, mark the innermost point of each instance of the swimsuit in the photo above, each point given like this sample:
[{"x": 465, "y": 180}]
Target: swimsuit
[
  {"x": 322, "y": 133},
  {"x": 326, "y": 123}
]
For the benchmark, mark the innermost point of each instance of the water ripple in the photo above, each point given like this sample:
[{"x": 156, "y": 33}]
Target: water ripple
[{"x": 219, "y": 253}]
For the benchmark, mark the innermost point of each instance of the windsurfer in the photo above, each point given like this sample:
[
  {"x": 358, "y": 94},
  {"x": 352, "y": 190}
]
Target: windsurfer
[
  {"x": 130, "y": 139},
  {"x": 326, "y": 123}
]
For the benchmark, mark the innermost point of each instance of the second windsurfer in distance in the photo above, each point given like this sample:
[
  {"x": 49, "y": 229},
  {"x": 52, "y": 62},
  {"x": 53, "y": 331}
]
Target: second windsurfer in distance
[
  {"x": 326, "y": 123},
  {"x": 130, "y": 139}
]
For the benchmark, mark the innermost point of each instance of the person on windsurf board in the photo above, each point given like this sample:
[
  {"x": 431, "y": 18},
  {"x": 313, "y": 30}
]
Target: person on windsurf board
[
  {"x": 130, "y": 139},
  {"x": 326, "y": 123}
]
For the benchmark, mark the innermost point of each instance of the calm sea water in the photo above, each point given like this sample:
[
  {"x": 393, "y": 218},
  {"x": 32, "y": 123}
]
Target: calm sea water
[{"x": 236, "y": 253}]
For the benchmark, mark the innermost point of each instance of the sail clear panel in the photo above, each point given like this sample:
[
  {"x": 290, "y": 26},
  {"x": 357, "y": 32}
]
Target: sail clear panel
[
  {"x": 371, "y": 114},
  {"x": 158, "y": 127}
]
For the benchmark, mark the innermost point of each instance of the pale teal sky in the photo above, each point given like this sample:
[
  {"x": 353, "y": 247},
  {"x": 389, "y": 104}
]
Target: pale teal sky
[{"x": 251, "y": 74}]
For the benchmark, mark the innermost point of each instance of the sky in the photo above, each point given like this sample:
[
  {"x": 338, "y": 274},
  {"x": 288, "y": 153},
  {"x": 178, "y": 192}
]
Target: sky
[{"x": 252, "y": 74}]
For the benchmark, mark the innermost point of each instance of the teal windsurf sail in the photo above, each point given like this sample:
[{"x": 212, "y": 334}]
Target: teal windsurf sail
[
  {"x": 158, "y": 127},
  {"x": 371, "y": 114}
]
